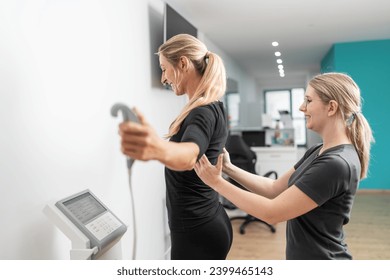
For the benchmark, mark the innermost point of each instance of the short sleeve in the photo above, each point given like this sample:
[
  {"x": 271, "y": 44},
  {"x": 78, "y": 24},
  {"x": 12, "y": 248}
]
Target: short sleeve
[
  {"x": 200, "y": 125},
  {"x": 325, "y": 178}
]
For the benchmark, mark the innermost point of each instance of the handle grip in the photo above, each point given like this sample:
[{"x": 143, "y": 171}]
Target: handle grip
[{"x": 128, "y": 115}]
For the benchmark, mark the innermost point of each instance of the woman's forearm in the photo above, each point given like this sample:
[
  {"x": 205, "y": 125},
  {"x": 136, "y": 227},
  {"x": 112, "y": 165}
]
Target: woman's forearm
[
  {"x": 253, "y": 204},
  {"x": 253, "y": 182}
]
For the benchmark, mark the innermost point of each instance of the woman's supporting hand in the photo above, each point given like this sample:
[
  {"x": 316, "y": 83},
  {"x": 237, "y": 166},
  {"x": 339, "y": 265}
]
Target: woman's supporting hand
[
  {"x": 211, "y": 175},
  {"x": 226, "y": 165}
]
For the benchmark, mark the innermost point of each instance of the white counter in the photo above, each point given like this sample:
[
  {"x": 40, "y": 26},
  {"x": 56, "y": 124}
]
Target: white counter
[{"x": 278, "y": 158}]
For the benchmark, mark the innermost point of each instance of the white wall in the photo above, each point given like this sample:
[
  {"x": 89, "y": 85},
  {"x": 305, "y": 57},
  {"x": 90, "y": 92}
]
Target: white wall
[{"x": 63, "y": 65}]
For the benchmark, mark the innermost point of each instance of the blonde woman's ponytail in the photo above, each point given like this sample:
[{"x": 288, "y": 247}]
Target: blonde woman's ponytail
[
  {"x": 212, "y": 85},
  {"x": 343, "y": 89}
]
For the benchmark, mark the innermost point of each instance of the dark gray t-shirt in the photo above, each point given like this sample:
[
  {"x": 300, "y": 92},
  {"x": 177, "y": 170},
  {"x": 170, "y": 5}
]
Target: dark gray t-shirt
[{"x": 331, "y": 180}]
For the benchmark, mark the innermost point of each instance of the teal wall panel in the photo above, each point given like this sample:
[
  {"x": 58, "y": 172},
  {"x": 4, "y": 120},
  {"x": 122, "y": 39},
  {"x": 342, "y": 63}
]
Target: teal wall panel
[
  {"x": 328, "y": 62},
  {"x": 368, "y": 64}
]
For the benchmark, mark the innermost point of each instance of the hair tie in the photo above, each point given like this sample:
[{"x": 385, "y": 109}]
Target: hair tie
[
  {"x": 206, "y": 57},
  {"x": 352, "y": 118}
]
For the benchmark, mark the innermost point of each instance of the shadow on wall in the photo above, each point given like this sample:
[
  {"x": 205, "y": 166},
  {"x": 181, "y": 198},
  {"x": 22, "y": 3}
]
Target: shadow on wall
[{"x": 156, "y": 33}]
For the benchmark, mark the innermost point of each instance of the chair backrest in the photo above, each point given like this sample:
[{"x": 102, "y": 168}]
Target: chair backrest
[
  {"x": 243, "y": 157},
  {"x": 240, "y": 153}
]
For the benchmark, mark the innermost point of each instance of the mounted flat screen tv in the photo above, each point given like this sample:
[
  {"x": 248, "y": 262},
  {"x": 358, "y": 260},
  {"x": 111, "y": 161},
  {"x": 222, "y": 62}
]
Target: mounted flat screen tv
[{"x": 174, "y": 24}]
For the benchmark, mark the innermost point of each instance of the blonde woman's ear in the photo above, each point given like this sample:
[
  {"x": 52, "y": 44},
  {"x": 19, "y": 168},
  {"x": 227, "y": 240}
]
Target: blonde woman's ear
[
  {"x": 184, "y": 63},
  {"x": 333, "y": 106}
]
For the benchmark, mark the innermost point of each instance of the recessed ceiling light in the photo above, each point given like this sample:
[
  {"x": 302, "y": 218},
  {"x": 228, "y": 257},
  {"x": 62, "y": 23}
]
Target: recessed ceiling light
[{"x": 279, "y": 61}]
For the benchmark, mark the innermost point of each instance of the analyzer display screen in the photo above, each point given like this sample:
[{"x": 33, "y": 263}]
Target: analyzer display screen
[{"x": 85, "y": 207}]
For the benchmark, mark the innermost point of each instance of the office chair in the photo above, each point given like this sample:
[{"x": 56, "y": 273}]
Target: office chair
[{"x": 243, "y": 157}]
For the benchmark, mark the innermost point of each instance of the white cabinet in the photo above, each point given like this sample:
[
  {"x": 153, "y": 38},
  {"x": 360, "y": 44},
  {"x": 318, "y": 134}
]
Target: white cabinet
[{"x": 279, "y": 159}]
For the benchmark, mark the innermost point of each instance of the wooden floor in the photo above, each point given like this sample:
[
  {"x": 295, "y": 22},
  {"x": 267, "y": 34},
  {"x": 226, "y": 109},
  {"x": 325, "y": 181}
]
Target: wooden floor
[{"x": 367, "y": 234}]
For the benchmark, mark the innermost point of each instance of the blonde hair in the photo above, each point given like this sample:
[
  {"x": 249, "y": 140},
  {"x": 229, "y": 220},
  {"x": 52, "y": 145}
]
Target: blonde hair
[
  {"x": 342, "y": 88},
  {"x": 212, "y": 85}
]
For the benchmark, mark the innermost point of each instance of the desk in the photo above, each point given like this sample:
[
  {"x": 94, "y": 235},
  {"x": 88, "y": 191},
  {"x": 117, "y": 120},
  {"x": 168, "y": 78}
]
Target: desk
[{"x": 279, "y": 159}]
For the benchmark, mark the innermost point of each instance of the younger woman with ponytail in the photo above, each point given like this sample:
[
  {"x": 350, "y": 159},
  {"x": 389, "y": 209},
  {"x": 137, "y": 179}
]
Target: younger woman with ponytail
[
  {"x": 315, "y": 197},
  {"x": 200, "y": 227}
]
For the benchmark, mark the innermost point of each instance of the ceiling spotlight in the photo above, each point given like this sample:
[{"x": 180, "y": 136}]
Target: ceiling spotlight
[
  {"x": 282, "y": 75},
  {"x": 275, "y": 44},
  {"x": 278, "y": 54},
  {"x": 280, "y": 66},
  {"x": 279, "y": 61}
]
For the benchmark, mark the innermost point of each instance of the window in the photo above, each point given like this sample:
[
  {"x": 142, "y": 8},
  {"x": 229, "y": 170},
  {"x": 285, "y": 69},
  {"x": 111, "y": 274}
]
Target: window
[
  {"x": 287, "y": 100},
  {"x": 233, "y": 104}
]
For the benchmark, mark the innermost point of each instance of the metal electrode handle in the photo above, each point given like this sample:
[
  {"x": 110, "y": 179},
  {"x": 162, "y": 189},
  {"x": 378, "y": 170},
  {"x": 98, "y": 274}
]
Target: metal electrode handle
[{"x": 128, "y": 115}]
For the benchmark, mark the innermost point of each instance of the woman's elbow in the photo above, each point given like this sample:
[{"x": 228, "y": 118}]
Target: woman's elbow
[
  {"x": 272, "y": 220},
  {"x": 190, "y": 164},
  {"x": 189, "y": 158},
  {"x": 182, "y": 165},
  {"x": 270, "y": 217}
]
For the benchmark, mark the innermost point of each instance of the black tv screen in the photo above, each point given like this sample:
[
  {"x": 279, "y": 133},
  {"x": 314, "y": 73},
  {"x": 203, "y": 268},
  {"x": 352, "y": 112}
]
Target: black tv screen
[{"x": 175, "y": 24}]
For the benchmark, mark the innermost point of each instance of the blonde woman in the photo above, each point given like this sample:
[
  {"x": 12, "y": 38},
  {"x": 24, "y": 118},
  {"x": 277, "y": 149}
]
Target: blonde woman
[
  {"x": 200, "y": 228},
  {"x": 315, "y": 197}
]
